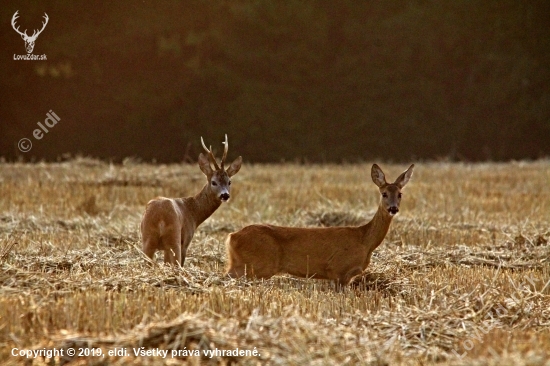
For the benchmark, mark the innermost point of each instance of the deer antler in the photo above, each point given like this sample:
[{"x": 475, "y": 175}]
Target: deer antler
[
  {"x": 210, "y": 155},
  {"x": 225, "y": 148},
  {"x": 13, "y": 19},
  {"x": 35, "y": 35}
]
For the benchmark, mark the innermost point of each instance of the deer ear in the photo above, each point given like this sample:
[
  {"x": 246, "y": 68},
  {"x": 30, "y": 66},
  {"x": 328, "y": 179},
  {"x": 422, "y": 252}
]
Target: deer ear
[
  {"x": 204, "y": 164},
  {"x": 235, "y": 166},
  {"x": 377, "y": 175},
  {"x": 404, "y": 177}
]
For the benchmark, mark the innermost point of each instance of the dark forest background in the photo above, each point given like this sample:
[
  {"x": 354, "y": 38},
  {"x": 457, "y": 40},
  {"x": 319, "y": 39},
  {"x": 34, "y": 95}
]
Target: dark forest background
[{"x": 300, "y": 80}]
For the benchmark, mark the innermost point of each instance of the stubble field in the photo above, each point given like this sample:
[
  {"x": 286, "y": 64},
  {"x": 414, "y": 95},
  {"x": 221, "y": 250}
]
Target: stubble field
[{"x": 463, "y": 276}]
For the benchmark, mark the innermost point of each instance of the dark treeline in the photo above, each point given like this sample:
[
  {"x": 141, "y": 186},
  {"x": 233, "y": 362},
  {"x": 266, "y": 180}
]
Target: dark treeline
[{"x": 314, "y": 80}]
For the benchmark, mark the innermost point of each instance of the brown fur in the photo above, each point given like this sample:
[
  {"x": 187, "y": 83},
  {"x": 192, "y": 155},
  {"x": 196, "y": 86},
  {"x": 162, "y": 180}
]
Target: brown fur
[
  {"x": 336, "y": 253},
  {"x": 169, "y": 224}
]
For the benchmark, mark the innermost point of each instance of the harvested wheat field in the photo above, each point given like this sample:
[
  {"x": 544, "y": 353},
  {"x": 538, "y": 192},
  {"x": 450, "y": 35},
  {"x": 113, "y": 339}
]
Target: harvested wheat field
[{"x": 462, "y": 277}]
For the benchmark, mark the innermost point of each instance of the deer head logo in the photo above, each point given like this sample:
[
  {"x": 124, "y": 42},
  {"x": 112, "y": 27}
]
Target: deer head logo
[{"x": 29, "y": 41}]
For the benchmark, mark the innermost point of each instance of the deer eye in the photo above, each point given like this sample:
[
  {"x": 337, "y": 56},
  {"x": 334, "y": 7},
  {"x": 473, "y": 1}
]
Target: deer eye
[
  {"x": 385, "y": 195},
  {"x": 229, "y": 183},
  {"x": 399, "y": 195},
  {"x": 214, "y": 183}
]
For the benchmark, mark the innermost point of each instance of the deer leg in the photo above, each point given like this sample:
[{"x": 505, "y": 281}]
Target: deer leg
[
  {"x": 150, "y": 245},
  {"x": 185, "y": 240},
  {"x": 349, "y": 275},
  {"x": 172, "y": 248},
  {"x": 339, "y": 285},
  {"x": 367, "y": 262}
]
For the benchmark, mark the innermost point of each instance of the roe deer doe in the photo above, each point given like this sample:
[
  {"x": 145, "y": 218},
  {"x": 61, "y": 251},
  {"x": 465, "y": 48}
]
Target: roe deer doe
[
  {"x": 169, "y": 223},
  {"x": 335, "y": 253}
]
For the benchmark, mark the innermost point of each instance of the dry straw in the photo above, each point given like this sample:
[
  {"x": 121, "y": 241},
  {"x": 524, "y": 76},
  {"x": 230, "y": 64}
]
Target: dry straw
[{"x": 462, "y": 277}]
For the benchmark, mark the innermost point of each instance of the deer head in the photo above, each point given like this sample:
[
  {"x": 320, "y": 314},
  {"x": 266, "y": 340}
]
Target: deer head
[
  {"x": 391, "y": 192},
  {"x": 218, "y": 178},
  {"x": 29, "y": 41}
]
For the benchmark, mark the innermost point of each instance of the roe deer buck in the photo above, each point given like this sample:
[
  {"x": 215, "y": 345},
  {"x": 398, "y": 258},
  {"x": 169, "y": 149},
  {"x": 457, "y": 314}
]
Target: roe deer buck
[
  {"x": 335, "y": 253},
  {"x": 169, "y": 223}
]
